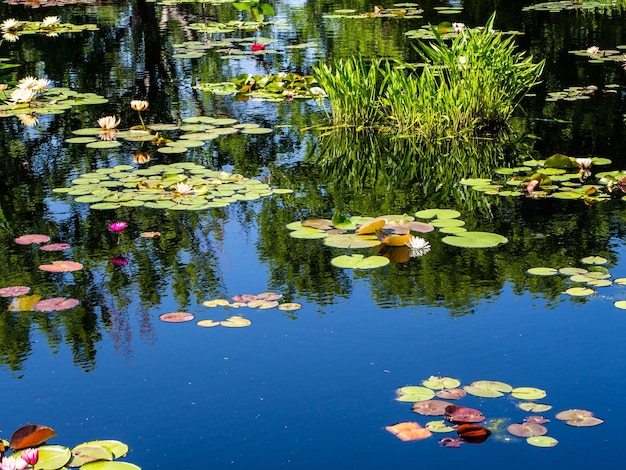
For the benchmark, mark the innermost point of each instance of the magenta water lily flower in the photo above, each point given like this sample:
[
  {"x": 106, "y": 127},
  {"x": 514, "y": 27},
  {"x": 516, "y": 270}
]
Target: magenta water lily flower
[
  {"x": 118, "y": 227},
  {"x": 13, "y": 463},
  {"x": 31, "y": 456}
]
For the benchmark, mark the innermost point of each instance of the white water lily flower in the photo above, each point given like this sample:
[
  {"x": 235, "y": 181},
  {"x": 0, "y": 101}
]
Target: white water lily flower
[
  {"x": 458, "y": 27},
  {"x": 22, "y": 95},
  {"x": 108, "y": 122},
  {"x": 28, "y": 119},
  {"x": 584, "y": 163},
  {"x": 27, "y": 83},
  {"x": 593, "y": 50},
  {"x": 418, "y": 247},
  {"x": 9, "y": 25},
  {"x": 11, "y": 37},
  {"x": 50, "y": 21},
  {"x": 183, "y": 189},
  {"x": 41, "y": 85}
]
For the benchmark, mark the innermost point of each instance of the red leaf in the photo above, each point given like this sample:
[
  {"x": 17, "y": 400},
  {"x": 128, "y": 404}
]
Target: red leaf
[
  {"x": 461, "y": 414},
  {"x": 473, "y": 433},
  {"x": 31, "y": 435}
]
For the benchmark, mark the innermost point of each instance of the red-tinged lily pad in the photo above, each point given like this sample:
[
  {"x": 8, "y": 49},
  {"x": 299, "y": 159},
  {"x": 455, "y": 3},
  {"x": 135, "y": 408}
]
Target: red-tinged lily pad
[
  {"x": 55, "y": 247},
  {"x": 461, "y": 414},
  {"x": 32, "y": 238},
  {"x": 269, "y": 296},
  {"x": 31, "y": 435},
  {"x": 451, "y": 442},
  {"x": 431, "y": 407},
  {"x": 473, "y": 433},
  {"x": 413, "y": 393},
  {"x": 579, "y": 418},
  {"x": 244, "y": 298},
  {"x": 321, "y": 224},
  {"x": 420, "y": 227},
  {"x": 409, "y": 431},
  {"x": 176, "y": 317},
  {"x": 440, "y": 383},
  {"x": 451, "y": 393},
  {"x": 55, "y": 304},
  {"x": 14, "y": 291},
  {"x": 61, "y": 266},
  {"x": 537, "y": 420},
  {"x": 527, "y": 429}
]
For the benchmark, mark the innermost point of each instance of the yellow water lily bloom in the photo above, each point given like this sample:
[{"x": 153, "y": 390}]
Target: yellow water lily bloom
[{"x": 108, "y": 122}]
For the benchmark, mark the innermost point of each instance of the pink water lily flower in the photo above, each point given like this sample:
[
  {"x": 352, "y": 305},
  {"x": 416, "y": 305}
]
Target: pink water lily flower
[
  {"x": 257, "y": 46},
  {"x": 118, "y": 227},
  {"x": 31, "y": 456},
  {"x": 13, "y": 463}
]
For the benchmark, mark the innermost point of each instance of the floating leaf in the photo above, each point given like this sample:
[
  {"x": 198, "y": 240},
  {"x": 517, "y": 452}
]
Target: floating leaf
[
  {"x": 24, "y": 304},
  {"x": 542, "y": 271},
  {"x": 350, "y": 240},
  {"x": 620, "y": 304},
  {"x": 579, "y": 418},
  {"x": 451, "y": 394},
  {"x": 597, "y": 260},
  {"x": 528, "y": 393},
  {"x": 371, "y": 226},
  {"x": 570, "y": 271},
  {"x": 409, "y": 431},
  {"x": 414, "y": 393},
  {"x": 31, "y": 435},
  {"x": 55, "y": 247},
  {"x": 52, "y": 457},
  {"x": 475, "y": 240},
  {"x": 14, "y": 291},
  {"x": 62, "y": 266},
  {"x": 439, "y": 213},
  {"x": 461, "y": 414},
  {"x": 439, "y": 426},
  {"x": 534, "y": 407},
  {"x": 527, "y": 429},
  {"x": 82, "y": 454},
  {"x": 236, "y": 322},
  {"x": 207, "y": 323},
  {"x": 55, "y": 304},
  {"x": 269, "y": 296},
  {"x": 117, "y": 448},
  {"x": 359, "y": 261},
  {"x": 579, "y": 291},
  {"x": 431, "y": 407},
  {"x": 32, "y": 238},
  {"x": 488, "y": 388},
  {"x": 104, "y": 465},
  {"x": 216, "y": 303},
  {"x": 473, "y": 433},
  {"x": 542, "y": 441},
  {"x": 176, "y": 317},
  {"x": 439, "y": 383},
  {"x": 289, "y": 306}
]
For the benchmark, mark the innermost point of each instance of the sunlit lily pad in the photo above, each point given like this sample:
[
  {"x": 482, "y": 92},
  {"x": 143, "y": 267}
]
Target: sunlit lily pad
[
  {"x": 289, "y": 306},
  {"x": 207, "y": 323},
  {"x": 117, "y": 448},
  {"x": 176, "y": 317},
  {"x": 236, "y": 322},
  {"x": 580, "y": 291},
  {"x": 526, "y": 429},
  {"x": 528, "y": 393},
  {"x": 541, "y": 271},
  {"x": 311, "y": 233},
  {"x": 439, "y": 383},
  {"x": 597, "y": 260},
  {"x": 269, "y": 296},
  {"x": 216, "y": 303},
  {"x": 359, "y": 261},
  {"x": 409, "y": 431},
  {"x": 105, "y": 465},
  {"x": 350, "y": 240},
  {"x": 53, "y": 457},
  {"x": 439, "y": 213},
  {"x": 431, "y": 407},
  {"x": 542, "y": 441},
  {"x": 570, "y": 271},
  {"x": 55, "y": 304},
  {"x": 14, "y": 291},
  {"x": 488, "y": 388},
  {"x": 620, "y": 304},
  {"x": 439, "y": 426},
  {"x": 534, "y": 407},
  {"x": 82, "y": 454},
  {"x": 62, "y": 266},
  {"x": 475, "y": 240},
  {"x": 414, "y": 393},
  {"x": 579, "y": 418}
]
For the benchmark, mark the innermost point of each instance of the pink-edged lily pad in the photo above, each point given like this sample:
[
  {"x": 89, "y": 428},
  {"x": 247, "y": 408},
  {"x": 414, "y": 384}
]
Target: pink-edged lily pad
[
  {"x": 244, "y": 298},
  {"x": 536, "y": 420},
  {"x": 55, "y": 247},
  {"x": 32, "y": 238},
  {"x": 527, "y": 429},
  {"x": 579, "y": 418},
  {"x": 14, "y": 291},
  {"x": 420, "y": 227},
  {"x": 55, "y": 304},
  {"x": 61, "y": 266},
  {"x": 431, "y": 407},
  {"x": 176, "y": 317},
  {"x": 451, "y": 393},
  {"x": 461, "y": 414}
]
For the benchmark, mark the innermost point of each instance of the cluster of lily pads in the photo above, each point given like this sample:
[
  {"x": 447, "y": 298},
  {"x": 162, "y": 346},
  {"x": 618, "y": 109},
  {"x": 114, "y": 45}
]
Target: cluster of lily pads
[
  {"x": 599, "y": 56},
  {"x": 563, "y": 5},
  {"x": 262, "y": 301},
  {"x": 179, "y": 186},
  {"x": 445, "y": 29},
  {"x": 559, "y": 177},
  {"x": 34, "y": 302},
  {"x": 29, "y": 450},
  {"x": 397, "y": 11},
  {"x": 50, "y": 26},
  {"x": 575, "y": 93},
  {"x": 275, "y": 87},
  {"x": 431, "y": 399},
  {"x": 390, "y": 235},
  {"x": 229, "y": 48},
  {"x": 586, "y": 280}
]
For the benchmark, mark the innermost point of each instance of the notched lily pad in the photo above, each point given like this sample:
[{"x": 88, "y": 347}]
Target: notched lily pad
[
  {"x": 14, "y": 291},
  {"x": 414, "y": 393},
  {"x": 526, "y": 429},
  {"x": 579, "y": 418}
]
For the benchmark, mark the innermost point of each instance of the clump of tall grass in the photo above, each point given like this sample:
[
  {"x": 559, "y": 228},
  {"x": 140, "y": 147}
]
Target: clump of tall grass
[{"x": 473, "y": 82}]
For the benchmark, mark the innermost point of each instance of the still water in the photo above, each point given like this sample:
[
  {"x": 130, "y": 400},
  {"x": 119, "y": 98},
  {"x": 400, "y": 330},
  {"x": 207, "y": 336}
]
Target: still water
[{"x": 315, "y": 387}]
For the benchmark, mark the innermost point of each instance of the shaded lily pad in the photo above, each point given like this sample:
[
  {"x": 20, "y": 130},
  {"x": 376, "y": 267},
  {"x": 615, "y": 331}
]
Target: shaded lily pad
[
  {"x": 461, "y": 414},
  {"x": 176, "y": 317},
  {"x": 359, "y": 261},
  {"x": 55, "y": 304},
  {"x": 350, "y": 240}
]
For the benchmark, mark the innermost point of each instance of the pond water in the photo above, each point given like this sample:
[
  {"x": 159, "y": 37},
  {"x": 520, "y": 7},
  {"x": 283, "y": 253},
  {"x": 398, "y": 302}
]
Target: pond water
[{"x": 313, "y": 387}]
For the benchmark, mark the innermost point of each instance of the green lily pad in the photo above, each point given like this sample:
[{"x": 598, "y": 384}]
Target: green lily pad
[
  {"x": 104, "y": 206},
  {"x": 542, "y": 441},
  {"x": 570, "y": 271},
  {"x": 52, "y": 457},
  {"x": 104, "y": 465},
  {"x": 597, "y": 260},
  {"x": 359, "y": 261},
  {"x": 414, "y": 393},
  {"x": 475, "y": 240},
  {"x": 534, "y": 407},
  {"x": 580, "y": 291},
  {"x": 82, "y": 454},
  {"x": 117, "y": 448},
  {"x": 447, "y": 222},
  {"x": 350, "y": 240},
  {"x": 540, "y": 271},
  {"x": 439, "y": 383},
  {"x": 528, "y": 393},
  {"x": 438, "y": 426},
  {"x": 308, "y": 234},
  {"x": 104, "y": 144},
  {"x": 439, "y": 213},
  {"x": 256, "y": 130}
]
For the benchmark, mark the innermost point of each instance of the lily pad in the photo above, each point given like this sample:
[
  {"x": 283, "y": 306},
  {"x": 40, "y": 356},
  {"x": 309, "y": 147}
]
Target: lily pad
[
  {"x": 439, "y": 426},
  {"x": 176, "y": 317},
  {"x": 461, "y": 414},
  {"x": 579, "y": 418},
  {"x": 14, "y": 291},
  {"x": 451, "y": 393},
  {"x": 527, "y": 429},
  {"x": 620, "y": 304},
  {"x": 82, "y": 454},
  {"x": 541, "y": 271},
  {"x": 207, "y": 323},
  {"x": 32, "y": 238},
  {"x": 439, "y": 383},
  {"x": 414, "y": 393},
  {"x": 350, "y": 240},
  {"x": 431, "y": 407},
  {"x": 289, "y": 306},
  {"x": 55, "y": 304},
  {"x": 53, "y": 457},
  {"x": 31, "y": 435},
  {"x": 359, "y": 261},
  {"x": 596, "y": 260},
  {"x": 542, "y": 441},
  {"x": 55, "y": 247},
  {"x": 236, "y": 322},
  {"x": 439, "y": 213},
  {"x": 104, "y": 465},
  {"x": 409, "y": 431},
  {"x": 580, "y": 291},
  {"x": 117, "y": 448},
  {"x": 488, "y": 388},
  {"x": 475, "y": 240},
  {"x": 528, "y": 393},
  {"x": 62, "y": 266},
  {"x": 534, "y": 407}
]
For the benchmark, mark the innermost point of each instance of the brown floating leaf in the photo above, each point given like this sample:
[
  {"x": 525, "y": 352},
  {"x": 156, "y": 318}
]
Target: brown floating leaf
[
  {"x": 14, "y": 291},
  {"x": 150, "y": 234},
  {"x": 176, "y": 317},
  {"x": 431, "y": 407},
  {"x": 461, "y": 414},
  {"x": 527, "y": 429},
  {"x": 61, "y": 266},
  {"x": 409, "y": 431},
  {"x": 31, "y": 435},
  {"x": 32, "y": 238},
  {"x": 55, "y": 247},
  {"x": 55, "y": 304},
  {"x": 451, "y": 393},
  {"x": 473, "y": 433}
]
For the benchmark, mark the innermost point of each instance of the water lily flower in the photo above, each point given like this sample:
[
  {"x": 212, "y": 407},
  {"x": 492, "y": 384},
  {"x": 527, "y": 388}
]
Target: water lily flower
[
  {"x": 9, "y": 25},
  {"x": 50, "y": 21},
  {"x": 584, "y": 165},
  {"x": 30, "y": 455},
  {"x": 13, "y": 463},
  {"x": 27, "y": 82},
  {"x": 139, "y": 105},
  {"x": 531, "y": 186},
  {"x": 462, "y": 61},
  {"x": 108, "y": 122},
  {"x": 317, "y": 91},
  {"x": 22, "y": 95},
  {"x": 41, "y": 85},
  {"x": 119, "y": 261},
  {"x": 28, "y": 119},
  {"x": 593, "y": 50},
  {"x": 9, "y": 36},
  {"x": 417, "y": 247},
  {"x": 142, "y": 157},
  {"x": 118, "y": 227},
  {"x": 108, "y": 135},
  {"x": 458, "y": 27},
  {"x": 184, "y": 189},
  {"x": 257, "y": 46}
]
